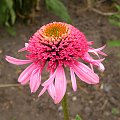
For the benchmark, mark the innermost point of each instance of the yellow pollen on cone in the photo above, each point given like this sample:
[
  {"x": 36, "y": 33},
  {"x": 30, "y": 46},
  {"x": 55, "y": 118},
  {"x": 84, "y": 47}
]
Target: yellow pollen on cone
[{"x": 55, "y": 31}]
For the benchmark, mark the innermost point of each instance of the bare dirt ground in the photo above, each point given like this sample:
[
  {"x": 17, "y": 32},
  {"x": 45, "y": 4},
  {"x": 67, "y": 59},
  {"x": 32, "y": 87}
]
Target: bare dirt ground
[{"x": 91, "y": 102}]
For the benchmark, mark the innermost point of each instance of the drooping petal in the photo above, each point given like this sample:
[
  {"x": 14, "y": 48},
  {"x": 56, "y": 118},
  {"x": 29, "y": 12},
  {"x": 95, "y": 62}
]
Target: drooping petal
[
  {"x": 73, "y": 79},
  {"x": 101, "y": 67},
  {"x": 23, "y": 49},
  {"x": 102, "y": 53},
  {"x": 48, "y": 85},
  {"x": 60, "y": 84},
  {"x": 98, "y": 50},
  {"x": 97, "y": 63},
  {"x": 85, "y": 73},
  {"x": 42, "y": 91},
  {"x": 50, "y": 80},
  {"x": 16, "y": 61},
  {"x": 52, "y": 91},
  {"x": 90, "y": 42},
  {"x": 25, "y": 75},
  {"x": 35, "y": 80},
  {"x": 51, "y": 87},
  {"x": 91, "y": 65},
  {"x": 95, "y": 53}
]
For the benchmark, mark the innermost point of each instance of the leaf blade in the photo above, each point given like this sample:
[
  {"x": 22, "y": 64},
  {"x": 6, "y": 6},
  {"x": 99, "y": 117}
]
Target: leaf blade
[
  {"x": 58, "y": 8},
  {"x": 78, "y": 117}
]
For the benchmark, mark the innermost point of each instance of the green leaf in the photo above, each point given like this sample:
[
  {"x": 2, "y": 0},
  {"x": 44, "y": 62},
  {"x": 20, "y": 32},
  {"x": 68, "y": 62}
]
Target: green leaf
[
  {"x": 13, "y": 16},
  {"x": 115, "y": 19},
  {"x": 3, "y": 9},
  {"x": 117, "y": 6},
  {"x": 9, "y": 4},
  {"x": 114, "y": 43},
  {"x": 114, "y": 22},
  {"x": 11, "y": 31},
  {"x": 78, "y": 117},
  {"x": 58, "y": 8}
]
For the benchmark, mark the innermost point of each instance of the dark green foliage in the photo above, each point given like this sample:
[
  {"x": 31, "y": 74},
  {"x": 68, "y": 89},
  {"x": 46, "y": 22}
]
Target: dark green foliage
[
  {"x": 58, "y": 8},
  {"x": 115, "y": 19},
  {"x": 24, "y": 7},
  {"x": 7, "y": 13}
]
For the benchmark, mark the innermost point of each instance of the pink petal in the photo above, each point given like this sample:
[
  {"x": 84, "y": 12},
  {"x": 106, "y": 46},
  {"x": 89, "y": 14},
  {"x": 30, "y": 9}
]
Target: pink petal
[
  {"x": 98, "y": 50},
  {"x": 51, "y": 87},
  {"x": 97, "y": 63},
  {"x": 102, "y": 53},
  {"x": 52, "y": 91},
  {"x": 85, "y": 73},
  {"x": 50, "y": 80},
  {"x": 25, "y": 75},
  {"x": 60, "y": 84},
  {"x": 25, "y": 48},
  {"x": 101, "y": 67},
  {"x": 35, "y": 80},
  {"x": 91, "y": 67},
  {"x": 95, "y": 53},
  {"x": 101, "y": 48},
  {"x": 90, "y": 43},
  {"x": 22, "y": 49},
  {"x": 42, "y": 91},
  {"x": 73, "y": 79},
  {"x": 16, "y": 61}
]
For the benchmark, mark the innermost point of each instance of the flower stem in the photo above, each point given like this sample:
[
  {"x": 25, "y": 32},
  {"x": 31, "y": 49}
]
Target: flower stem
[{"x": 65, "y": 108}]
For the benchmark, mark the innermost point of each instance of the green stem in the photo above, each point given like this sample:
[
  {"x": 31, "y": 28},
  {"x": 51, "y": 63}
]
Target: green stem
[{"x": 65, "y": 108}]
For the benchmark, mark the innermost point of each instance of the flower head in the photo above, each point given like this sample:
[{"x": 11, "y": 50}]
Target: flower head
[{"x": 59, "y": 45}]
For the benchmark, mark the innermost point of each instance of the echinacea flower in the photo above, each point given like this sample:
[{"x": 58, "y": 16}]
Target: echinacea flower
[{"x": 58, "y": 45}]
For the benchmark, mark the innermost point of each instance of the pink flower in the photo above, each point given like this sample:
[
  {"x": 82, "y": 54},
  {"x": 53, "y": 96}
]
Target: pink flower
[{"x": 58, "y": 45}]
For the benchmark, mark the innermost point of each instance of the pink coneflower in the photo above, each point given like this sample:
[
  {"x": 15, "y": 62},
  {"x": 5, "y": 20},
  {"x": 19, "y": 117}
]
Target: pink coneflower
[{"x": 58, "y": 45}]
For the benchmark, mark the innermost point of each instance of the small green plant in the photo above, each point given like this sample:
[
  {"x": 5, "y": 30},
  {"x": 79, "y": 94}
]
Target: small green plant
[
  {"x": 115, "y": 111},
  {"x": 78, "y": 117}
]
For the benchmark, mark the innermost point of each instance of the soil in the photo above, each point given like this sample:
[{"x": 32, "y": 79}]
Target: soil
[{"x": 91, "y": 102}]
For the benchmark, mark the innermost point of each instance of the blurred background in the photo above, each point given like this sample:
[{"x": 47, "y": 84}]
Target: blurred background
[{"x": 100, "y": 22}]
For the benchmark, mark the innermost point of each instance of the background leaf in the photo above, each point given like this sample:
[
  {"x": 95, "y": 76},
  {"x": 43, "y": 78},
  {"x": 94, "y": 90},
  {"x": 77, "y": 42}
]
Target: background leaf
[
  {"x": 3, "y": 8},
  {"x": 58, "y": 8},
  {"x": 114, "y": 43},
  {"x": 115, "y": 19},
  {"x": 11, "y": 31},
  {"x": 7, "y": 13},
  {"x": 12, "y": 14}
]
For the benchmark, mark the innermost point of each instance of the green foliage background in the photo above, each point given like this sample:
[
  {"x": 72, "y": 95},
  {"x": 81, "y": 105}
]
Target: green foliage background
[{"x": 10, "y": 10}]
